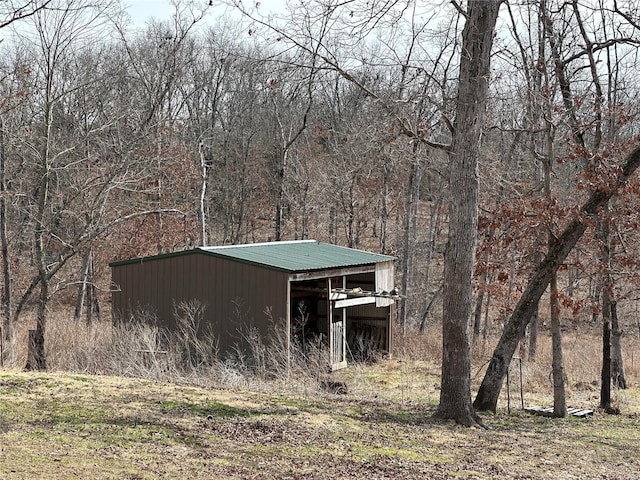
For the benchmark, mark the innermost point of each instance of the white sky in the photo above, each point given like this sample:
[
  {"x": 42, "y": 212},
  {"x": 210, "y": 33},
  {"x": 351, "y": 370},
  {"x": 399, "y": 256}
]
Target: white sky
[{"x": 143, "y": 10}]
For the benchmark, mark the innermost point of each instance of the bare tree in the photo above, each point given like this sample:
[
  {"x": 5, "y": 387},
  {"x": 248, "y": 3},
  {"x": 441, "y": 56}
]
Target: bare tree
[
  {"x": 12, "y": 11},
  {"x": 57, "y": 30},
  {"x": 79, "y": 174},
  {"x": 7, "y": 327}
]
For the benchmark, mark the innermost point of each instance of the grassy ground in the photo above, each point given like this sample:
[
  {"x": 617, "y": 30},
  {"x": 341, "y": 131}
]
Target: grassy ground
[{"x": 65, "y": 426}]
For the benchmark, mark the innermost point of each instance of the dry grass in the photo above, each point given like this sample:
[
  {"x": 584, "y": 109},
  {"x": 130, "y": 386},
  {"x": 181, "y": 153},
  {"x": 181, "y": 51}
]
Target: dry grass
[
  {"x": 186, "y": 414},
  {"x": 140, "y": 350},
  {"x": 66, "y": 426},
  {"x": 420, "y": 354}
]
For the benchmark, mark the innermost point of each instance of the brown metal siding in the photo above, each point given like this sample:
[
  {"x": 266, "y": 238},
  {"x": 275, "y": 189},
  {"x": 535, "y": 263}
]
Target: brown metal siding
[{"x": 159, "y": 284}]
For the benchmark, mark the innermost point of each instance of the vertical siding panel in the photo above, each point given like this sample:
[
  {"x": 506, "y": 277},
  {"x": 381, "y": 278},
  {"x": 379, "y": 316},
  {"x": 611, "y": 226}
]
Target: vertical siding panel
[
  {"x": 116, "y": 296},
  {"x": 151, "y": 278},
  {"x": 181, "y": 265},
  {"x": 131, "y": 291},
  {"x": 216, "y": 291},
  {"x": 209, "y": 285},
  {"x": 195, "y": 279},
  {"x": 169, "y": 279},
  {"x": 141, "y": 285},
  {"x": 140, "y": 279},
  {"x": 202, "y": 266},
  {"x": 179, "y": 276},
  {"x": 127, "y": 290},
  {"x": 145, "y": 284},
  {"x": 261, "y": 290},
  {"x": 171, "y": 300},
  {"x": 184, "y": 287},
  {"x": 384, "y": 281},
  {"x": 242, "y": 320},
  {"x": 155, "y": 269},
  {"x": 172, "y": 271}
]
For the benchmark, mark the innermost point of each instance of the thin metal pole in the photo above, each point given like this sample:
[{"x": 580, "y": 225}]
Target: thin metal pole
[
  {"x": 508, "y": 391},
  {"x": 521, "y": 387}
]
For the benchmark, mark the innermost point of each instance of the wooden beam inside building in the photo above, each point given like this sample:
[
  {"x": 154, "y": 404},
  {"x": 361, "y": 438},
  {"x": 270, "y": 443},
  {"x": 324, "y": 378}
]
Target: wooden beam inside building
[{"x": 352, "y": 302}]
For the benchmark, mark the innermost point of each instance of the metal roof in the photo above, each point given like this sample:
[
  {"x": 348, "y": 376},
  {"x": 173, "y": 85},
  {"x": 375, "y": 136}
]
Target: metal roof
[
  {"x": 297, "y": 256},
  {"x": 288, "y": 256}
]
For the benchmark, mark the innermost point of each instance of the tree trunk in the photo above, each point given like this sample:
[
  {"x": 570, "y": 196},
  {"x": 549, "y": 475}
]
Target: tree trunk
[
  {"x": 427, "y": 310},
  {"x": 605, "y": 295},
  {"x": 205, "y": 164},
  {"x": 40, "y": 230},
  {"x": 605, "y": 374},
  {"x": 557, "y": 366},
  {"x": 333, "y": 229},
  {"x": 434, "y": 228},
  {"x": 477, "y": 40},
  {"x": 487, "y": 321},
  {"x": 617, "y": 365},
  {"x": 384, "y": 207},
  {"x": 477, "y": 314},
  {"x": 7, "y": 326},
  {"x": 87, "y": 294},
  {"x": 36, "y": 342},
  {"x": 533, "y": 337},
  {"x": 596, "y": 288},
  {"x": 408, "y": 253},
  {"x": 487, "y": 397},
  {"x": 280, "y": 196},
  {"x": 82, "y": 287},
  {"x": 43, "y": 300}
]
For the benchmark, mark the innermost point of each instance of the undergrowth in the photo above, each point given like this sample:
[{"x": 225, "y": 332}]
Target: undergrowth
[{"x": 189, "y": 355}]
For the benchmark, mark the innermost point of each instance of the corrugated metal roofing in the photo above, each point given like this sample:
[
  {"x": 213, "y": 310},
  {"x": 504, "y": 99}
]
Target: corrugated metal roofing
[{"x": 298, "y": 256}]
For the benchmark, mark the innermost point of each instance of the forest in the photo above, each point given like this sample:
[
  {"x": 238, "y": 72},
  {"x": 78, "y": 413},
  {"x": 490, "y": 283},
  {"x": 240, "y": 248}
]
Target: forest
[{"x": 329, "y": 120}]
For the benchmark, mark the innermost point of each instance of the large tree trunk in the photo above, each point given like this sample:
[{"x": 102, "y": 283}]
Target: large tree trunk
[
  {"x": 487, "y": 397},
  {"x": 605, "y": 294},
  {"x": 617, "y": 365},
  {"x": 477, "y": 40},
  {"x": 557, "y": 367}
]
